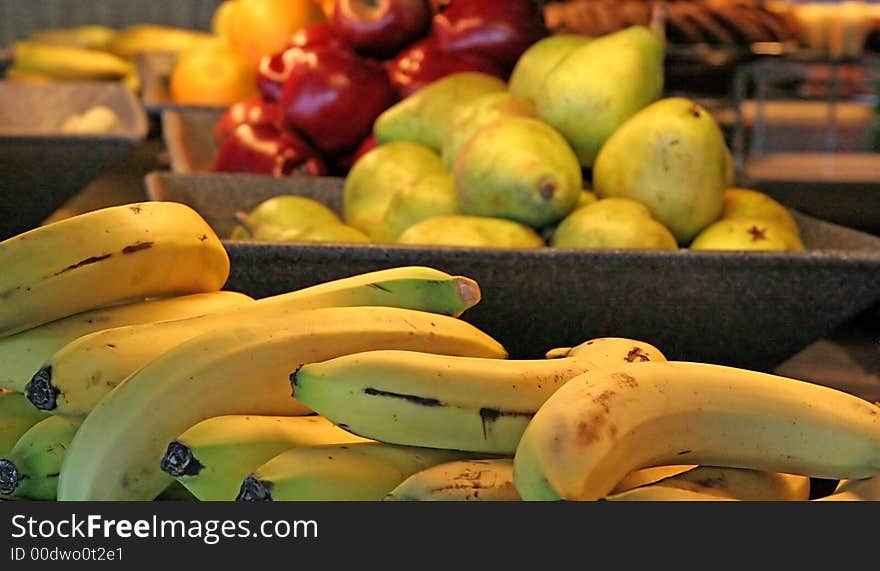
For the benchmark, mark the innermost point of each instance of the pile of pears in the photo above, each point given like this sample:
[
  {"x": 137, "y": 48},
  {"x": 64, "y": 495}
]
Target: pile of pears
[{"x": 579, "y": 149}]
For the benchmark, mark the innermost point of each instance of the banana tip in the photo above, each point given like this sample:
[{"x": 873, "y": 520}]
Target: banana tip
[
  {"x": 468, "y": 290},
  {"x": 254, "y": 490},
  {"x": 9, "y": 477},
  {"x": 179, "y": 461},
  {"x": 40, "y": 391}
]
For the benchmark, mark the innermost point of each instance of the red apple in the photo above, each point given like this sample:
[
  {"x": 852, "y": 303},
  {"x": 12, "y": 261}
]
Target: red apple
[
  {"x": 266, "y": 149},
  {"x": 332, "y": 97},
  {"x": 254, "y": 111},
  {"x": 381, "y": 28},
  {"x": 500, "y": 31},
  {"x": 424, "y": 62},
  {"x": 274, "y": 69}
]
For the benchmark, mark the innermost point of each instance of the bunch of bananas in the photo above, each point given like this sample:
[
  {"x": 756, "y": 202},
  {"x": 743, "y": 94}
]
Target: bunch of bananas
[{"x": 131, "y": 375}]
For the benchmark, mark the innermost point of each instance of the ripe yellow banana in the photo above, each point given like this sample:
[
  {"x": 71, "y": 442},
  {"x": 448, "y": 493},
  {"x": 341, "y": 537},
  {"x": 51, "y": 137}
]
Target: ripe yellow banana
[
  {"x": 648, "y": 476},
  {"x": 79, "y": 374},
  {"x": 68, "y": 62},
  {"x": 213, "y": 457},
  {"x": 654, "y": 493},
  {"x": 737, "y": 483},
  {"x": 602, "y": 425},
  {"x": 489, "y": 480},
  {"x": 17, "y": 415},
  {"x": 30, "y": 469},
  {"x": 363, "y": 471},
  {"x": 240, "y": 369},
  {"x": 442, "y": 401},
  {"x": 862, "y": 490},
  {"x": 120, "y": 253},
  {"x": 23, "y": 354},
  {"x": 92, "y": 37}
]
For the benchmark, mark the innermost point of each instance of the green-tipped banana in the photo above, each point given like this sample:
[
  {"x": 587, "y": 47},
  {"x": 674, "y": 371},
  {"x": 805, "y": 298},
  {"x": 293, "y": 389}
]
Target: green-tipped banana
[
  {"x": 23, "y": 354},
  {"x": 863, "y": 490},
  {"x": 440, "y": 401},
  {"x": 213, "y": 457},
  {"x": 489, "y": 480},
  {"x": 365, "y": 471},
  {"x": 737, "y": 483},
  {"x": 78, "y": 375},
  {"x": 30, "y": 470},
  {"x": 243, "y": 368},
  {"x": 17, "y": 415}
]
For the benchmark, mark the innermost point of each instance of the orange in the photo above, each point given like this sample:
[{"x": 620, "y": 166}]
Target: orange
[
  {"x": 263, "y": 27},
  {"x": 214, "y": 73}
]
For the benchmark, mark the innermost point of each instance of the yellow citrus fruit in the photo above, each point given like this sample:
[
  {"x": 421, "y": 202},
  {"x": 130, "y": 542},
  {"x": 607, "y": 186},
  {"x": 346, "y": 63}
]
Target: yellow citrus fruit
[
  {"x": 263, "y": 27},
  {"x": 212, "y": 74}
]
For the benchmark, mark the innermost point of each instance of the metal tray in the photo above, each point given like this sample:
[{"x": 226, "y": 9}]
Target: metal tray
[
  {"x": 41, "y": 167},
  {"x": 743, "y": 309}
]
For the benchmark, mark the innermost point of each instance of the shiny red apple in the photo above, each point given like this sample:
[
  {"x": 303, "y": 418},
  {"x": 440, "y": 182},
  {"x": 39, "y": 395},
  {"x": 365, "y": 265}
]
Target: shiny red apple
[
  {"x": 256, "y": 111},
  {"x": 381, "y": 28},
  {"x": 500, "y": 31},
  {"x": 424, "y": 62},
  {"x": 266, "y": 149},
  {"x": 332, "y": 97}
]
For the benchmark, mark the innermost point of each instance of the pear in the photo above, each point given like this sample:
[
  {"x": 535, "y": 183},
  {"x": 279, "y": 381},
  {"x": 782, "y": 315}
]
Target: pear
[
  {"x": 670, "y": 156},
  {"x": 518, "y": 168},
  {"x": 749, "y": 203},
  {"x": 473, "y": 231},
  {"x": 746, "y": 234},
  {"x": 332, "y": 233},
  {"x": 538, "y": 61},
  {"x": 378, "y": 176},
  {"x": 284, "y": 211},
  {"x": 613, "y": 223},
  {"x": 470, "y": 117},
  {"x": 586, "y": 198},
  {"x": 433, "y": 195},
  {"x": 598, "y": 86},
  {"x": 424, "y": 117}
]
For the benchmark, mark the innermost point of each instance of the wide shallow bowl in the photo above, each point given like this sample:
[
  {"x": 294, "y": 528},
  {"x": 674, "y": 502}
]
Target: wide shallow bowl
[
  {"x": 748, "y": 309},
  {"x": 41, "y": 167}
]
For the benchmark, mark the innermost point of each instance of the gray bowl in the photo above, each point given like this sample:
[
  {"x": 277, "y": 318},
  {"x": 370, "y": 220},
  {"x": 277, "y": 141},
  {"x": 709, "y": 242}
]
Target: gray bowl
[
  {"x": 746, "y": 309},
  {"x": 40, "y": 166}
]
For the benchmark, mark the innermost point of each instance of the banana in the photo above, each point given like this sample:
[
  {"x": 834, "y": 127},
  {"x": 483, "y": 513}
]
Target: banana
[
  {"x": 30, "y": 470},
  {"x": 68, "y": 62},
  {"x": 144, "y": 38},
  {"x": 17, "y": 415},
  {"x": 212, "y": 458},
  {"x": 78, "y": 375},
  {"x": 655, "y": 493},
  {"x": 489, "y": 480},
  {"x": 89, "y": 37},
  {"x": 362, "y": 471},
  {"x": 861, "y": 490},
  {"x": 442, "y": 401},
  {"x": 647, "y": 476},
  {"x": 604, "y": 424},
  {"x": 24, "y": 353},
  {"x": 737, "y": 483},
  {"x": 120, "y": 253},
  {"x": 243, "y": 368}
]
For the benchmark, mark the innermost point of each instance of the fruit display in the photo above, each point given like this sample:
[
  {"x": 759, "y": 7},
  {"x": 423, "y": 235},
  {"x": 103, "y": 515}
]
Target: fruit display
[{"x": 329, "y": 79}]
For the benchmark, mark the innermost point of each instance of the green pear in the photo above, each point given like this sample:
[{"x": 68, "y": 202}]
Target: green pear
[
  {"x": 285, "y": 211},
  {"x": 333, "y": 233},
  {"x": 749, "y": 203},
  {"x": 433, "y": 195},
  {"x": 746, "y": 234},
  {"x": 613, "y": 223},
  {"x": 598, "y": 86},
  {"x": 518, "y": 168},
  {"x": 473, "y": 231},
  {"x": 378, "y": 176},
  {"x": 670, "y": 156},
  {"x": 471, "y": 117},
  {"x": 424, "y": 117},
  {"x": 539, "y": 59}
]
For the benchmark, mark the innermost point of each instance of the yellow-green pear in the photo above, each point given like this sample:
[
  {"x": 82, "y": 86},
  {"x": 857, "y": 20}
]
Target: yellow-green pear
[
  {"x": 670, "y": 156},
  {"x": 586, "y": 198},
  {"x": 746, "y": 234},
  {"x": 749, "y": 203},
  {"x": 613, "y": 223},
  {"x": 538, "y": 61},
  {"x": 472, "y": 231},
  {"x": 471, "y": 117},
  {"x": 285, "y": 211},
  {"x": 424, "y": 117},
  {"x": 518, "y": 168},
  {"x": 598, "y": 86},
  {"x": 433, "y": 195},
  {"x": 332, "y": 233},
  {"x": 379, "y": 175}
]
